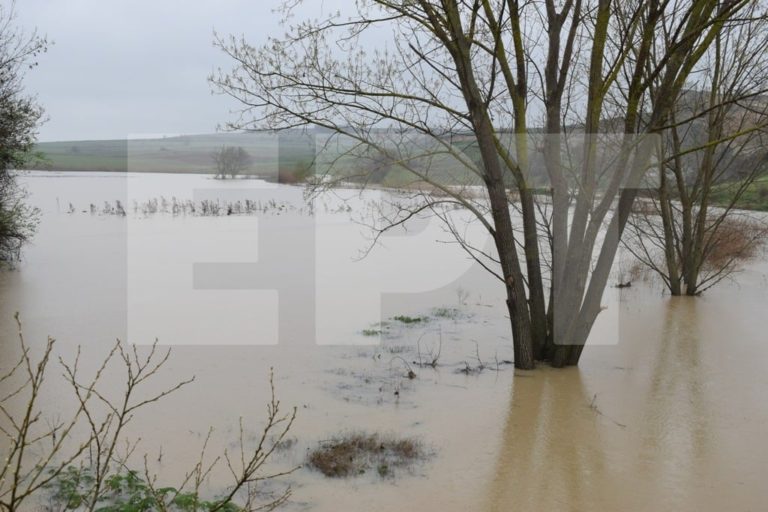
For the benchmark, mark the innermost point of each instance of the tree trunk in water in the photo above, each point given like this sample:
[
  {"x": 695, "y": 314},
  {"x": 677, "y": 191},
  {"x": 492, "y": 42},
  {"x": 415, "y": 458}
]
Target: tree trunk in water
[
  {"x": 561, "y": 355},
  {"x": 675, "y": 287},
  {"x": 503, "y": 234},
  {"x": 521, "y": 334},
  {"x": 522, "y": 338},
  {"x": 670, "y": 240},
  {"x": 537, "y": 306},
  {"x": 692, "y": 284}
]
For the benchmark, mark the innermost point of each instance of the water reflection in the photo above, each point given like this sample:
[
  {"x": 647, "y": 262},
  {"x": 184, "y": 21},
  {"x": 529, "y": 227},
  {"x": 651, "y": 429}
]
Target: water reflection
[
  {"x": 676, "y": 421},
  {"x": 551, "y": 452},
  {"x": 658, "y": 435}
]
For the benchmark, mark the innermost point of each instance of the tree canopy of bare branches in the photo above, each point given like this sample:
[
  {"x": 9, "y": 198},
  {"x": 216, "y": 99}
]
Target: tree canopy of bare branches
[
  {"x": 231, "y": 161},
  {"x": 581, "y": 86},
  {"x": 714, "y": 143}
]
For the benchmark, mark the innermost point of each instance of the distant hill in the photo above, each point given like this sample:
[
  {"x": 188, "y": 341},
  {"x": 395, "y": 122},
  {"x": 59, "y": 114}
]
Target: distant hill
[
  {"x": 287, "y": 155},
  {"x": 181, "y": 154},
  {"x": 193, "y": 154}
]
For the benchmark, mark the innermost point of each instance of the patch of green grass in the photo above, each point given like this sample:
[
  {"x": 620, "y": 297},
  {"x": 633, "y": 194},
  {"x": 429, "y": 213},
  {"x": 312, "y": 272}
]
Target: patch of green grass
[
  {"x": 409, "y": 319},
  {"x": 182, "y": 154},
  {"x": 371, "y": 332},
  {"x": 754, "y": 197}
]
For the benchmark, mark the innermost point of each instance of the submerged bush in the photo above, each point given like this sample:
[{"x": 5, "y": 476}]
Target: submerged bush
[
  {"x": 358, "y": 453},
  {"x": 735, "y": 240},
  {"x": 409, "y": 319}
]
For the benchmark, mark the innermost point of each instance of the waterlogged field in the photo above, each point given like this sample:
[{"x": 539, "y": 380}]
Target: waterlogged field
[{"x": 666, "y": 411}]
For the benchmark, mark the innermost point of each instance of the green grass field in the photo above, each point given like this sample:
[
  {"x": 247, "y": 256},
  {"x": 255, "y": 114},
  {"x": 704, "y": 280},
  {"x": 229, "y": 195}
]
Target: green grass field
[
  {"x": 182, "y": 154},
  {"x": 755, "y": 197},
  {"x": 193, "y": 154}
]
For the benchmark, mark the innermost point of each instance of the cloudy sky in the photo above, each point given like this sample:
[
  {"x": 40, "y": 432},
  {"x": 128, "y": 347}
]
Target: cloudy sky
[{"x": 122, "y": 68}]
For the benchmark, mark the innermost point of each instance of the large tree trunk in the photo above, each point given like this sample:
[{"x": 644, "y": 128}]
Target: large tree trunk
[
  {"x": 522, "y": 344},
  {"x": 522, "y": 336},
  {"x": 537, "y": 303},
  {"x": 670, "y": 240},
  {"x": 493, "y": 176}
]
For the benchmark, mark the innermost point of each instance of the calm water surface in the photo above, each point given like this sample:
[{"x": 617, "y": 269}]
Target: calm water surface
[{"x": 666, "y": 412}]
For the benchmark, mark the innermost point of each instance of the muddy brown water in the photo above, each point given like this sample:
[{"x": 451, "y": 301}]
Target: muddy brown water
[{"x": 666, "y": 412}]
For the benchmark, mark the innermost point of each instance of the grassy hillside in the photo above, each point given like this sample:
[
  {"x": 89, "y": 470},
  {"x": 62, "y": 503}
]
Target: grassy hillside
[
  {"x": 106, "y": 155},
  {"x": 183, "y": 154},
  {"x": 287, "y": 152},
  {"x": 755, "y": 197}
]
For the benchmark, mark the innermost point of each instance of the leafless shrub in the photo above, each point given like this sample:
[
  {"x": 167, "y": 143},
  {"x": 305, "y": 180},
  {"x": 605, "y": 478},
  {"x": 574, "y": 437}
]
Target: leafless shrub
[
  {"x": 431, "y": 356},
  {"x": 230, "y": 161},
  {"x": 479, "y": 367},
  {"x": 89, "y": 446},
  {"x": 409, "y": 371},
  {"x": 735, "y": 240},
  {"x": 247, "y": 466},
  {"x": 631, "y": 270}
]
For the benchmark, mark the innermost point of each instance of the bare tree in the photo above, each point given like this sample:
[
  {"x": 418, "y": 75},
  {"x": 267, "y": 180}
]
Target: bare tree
[
  {"x": 713, "y": 148},
  {"x": 464, "y": 79},
  {"x": 231, "y": 161},
  {"x": 19, "y": 118}
]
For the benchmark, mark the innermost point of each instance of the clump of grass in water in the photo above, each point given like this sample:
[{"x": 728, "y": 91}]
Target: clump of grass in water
[
  {"x": 445, "y": 312},
  {"x": 371, "y": 332},
  {"x": 357, "y": 453},
  {"x": 409, "y": 319}
]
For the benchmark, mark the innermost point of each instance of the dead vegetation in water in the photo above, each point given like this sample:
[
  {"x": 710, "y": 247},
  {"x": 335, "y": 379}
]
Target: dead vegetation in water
[
  {"x": 431, "y": 356},
  {"x": 631, "y": 271},
  {"x": 734, "y": 241},
  {"x": 207, "y": 208},
  {"x": 479, "y": 366},
  {"x": 359, "y": 453},
  {"x": 80, "y": 460},
  {"x": 410, "y": 374}
]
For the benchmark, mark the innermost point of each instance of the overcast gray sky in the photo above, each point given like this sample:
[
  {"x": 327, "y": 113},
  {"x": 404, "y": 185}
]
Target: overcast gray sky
[{"x": 122, "y": 68}]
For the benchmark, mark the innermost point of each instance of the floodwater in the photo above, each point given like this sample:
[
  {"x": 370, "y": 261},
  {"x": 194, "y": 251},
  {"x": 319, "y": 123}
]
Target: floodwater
[{"x": 665, "y": 412}]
